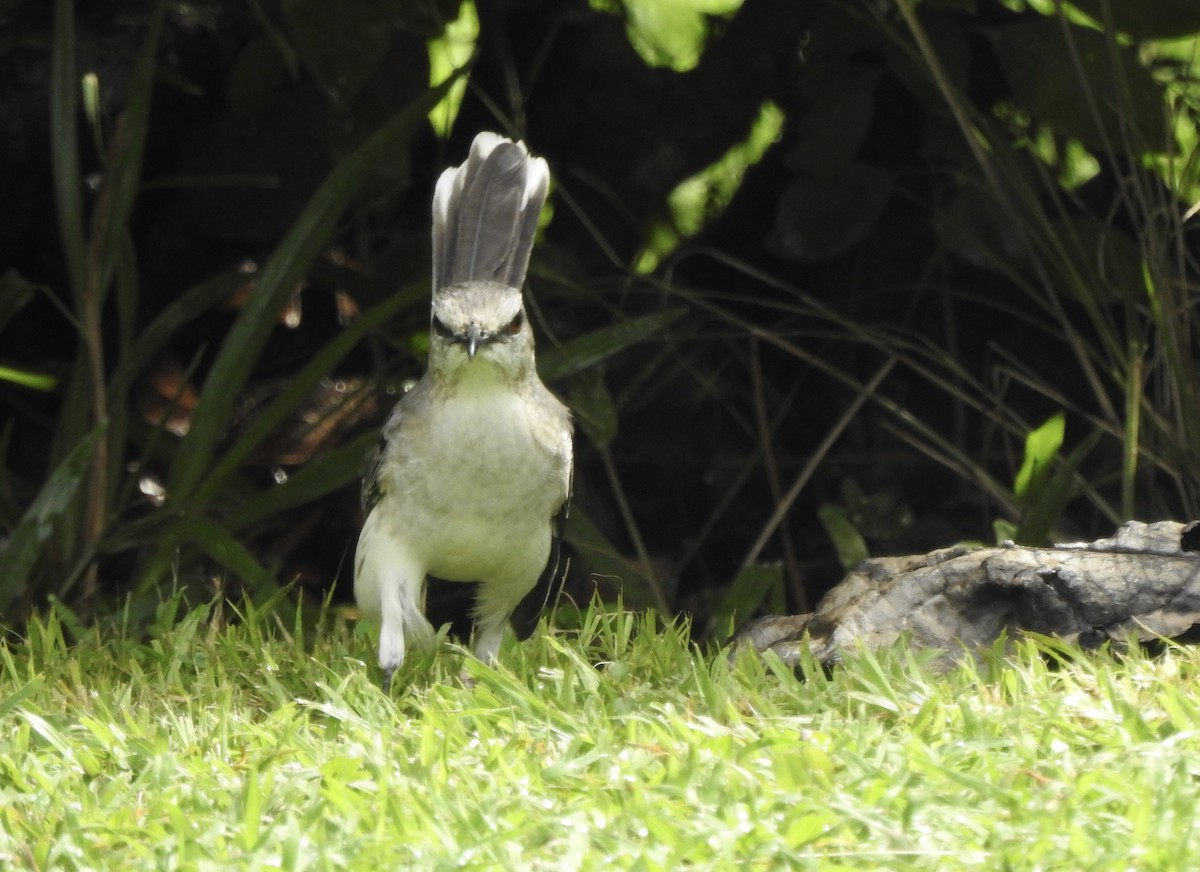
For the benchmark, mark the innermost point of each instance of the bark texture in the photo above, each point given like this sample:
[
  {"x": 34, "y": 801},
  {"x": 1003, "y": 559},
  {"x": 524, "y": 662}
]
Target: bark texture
[{"x": 1143, "y": 583}]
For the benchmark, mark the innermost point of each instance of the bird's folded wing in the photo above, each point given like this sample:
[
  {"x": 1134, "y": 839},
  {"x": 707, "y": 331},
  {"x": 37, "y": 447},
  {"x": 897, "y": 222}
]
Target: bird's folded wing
[{"x": 525, "y": 616}]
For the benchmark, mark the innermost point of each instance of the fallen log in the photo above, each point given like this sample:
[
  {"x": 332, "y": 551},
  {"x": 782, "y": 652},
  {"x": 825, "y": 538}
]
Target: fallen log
[{"x": 1141, "y": 584}]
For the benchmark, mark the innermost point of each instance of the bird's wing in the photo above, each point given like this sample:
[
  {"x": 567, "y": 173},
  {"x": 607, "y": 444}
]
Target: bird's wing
[
  {"x": 525, "y": 616},
  {"x": 374, "y": 483}
]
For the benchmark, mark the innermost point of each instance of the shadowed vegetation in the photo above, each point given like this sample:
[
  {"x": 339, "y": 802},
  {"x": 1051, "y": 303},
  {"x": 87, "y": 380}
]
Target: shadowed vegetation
[{"x": 818, "y": 280}]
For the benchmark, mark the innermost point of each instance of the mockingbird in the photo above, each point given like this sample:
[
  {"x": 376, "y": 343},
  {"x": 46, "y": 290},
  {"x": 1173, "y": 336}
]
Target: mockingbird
[{"x": 472, "y": 474}]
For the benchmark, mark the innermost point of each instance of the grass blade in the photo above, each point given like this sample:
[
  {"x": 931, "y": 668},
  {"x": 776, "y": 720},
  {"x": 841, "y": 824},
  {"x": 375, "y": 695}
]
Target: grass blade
[{"x": 36, "y": 526}]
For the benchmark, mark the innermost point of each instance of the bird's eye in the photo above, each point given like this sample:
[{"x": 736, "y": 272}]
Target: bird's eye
[
  {"x": 440, "y": 328},
  {"x": 514, "y": 326}
]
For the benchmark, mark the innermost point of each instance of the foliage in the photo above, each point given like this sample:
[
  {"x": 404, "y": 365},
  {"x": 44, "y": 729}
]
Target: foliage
[
  {"x": 811, "y": 274},
  {"x": 210, "y": 506},
  {"x": 618, "y": 745}
]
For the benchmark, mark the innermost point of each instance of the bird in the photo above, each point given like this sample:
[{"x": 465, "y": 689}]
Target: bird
[{"x": 470, "y": 481}]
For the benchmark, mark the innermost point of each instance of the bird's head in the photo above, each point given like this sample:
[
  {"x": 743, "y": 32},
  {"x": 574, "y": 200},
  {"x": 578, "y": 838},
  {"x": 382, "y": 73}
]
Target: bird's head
[{"x": 480, "y": 325}]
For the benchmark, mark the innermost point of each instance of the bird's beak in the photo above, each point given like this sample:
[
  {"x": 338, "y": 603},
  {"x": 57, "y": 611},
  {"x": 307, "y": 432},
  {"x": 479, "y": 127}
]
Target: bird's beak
[{"x": 473, "y": 336}]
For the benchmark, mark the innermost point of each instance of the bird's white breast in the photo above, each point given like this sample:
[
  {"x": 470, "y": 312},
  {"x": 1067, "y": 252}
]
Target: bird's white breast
[{"x": 474, "y": 492}]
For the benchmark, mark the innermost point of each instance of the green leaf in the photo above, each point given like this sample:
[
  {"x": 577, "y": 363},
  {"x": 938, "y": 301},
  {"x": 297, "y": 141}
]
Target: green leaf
[
  {"x": 1127, "y": 101},
  {"x": 1004, "y": 531},
  {"x": 753, "y": 586},
  {"x": 586, "y": 351},
  {"x": 304, "y": 242},
  {"x": 1047, "y": 502},
  {"x": 23, "y": 692},
  {"x": 320, "y": 476},
  {"x": 21, "y": 553},
  {"x": 849, "y": 543},
  {"x": 25, "y": 378},
  {"x": 1041, "y": 448},
  {"x": 1146, "y": 19}
]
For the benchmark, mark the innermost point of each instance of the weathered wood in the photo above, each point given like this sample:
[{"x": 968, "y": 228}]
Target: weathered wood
[{"x": 1142, "y": 583}]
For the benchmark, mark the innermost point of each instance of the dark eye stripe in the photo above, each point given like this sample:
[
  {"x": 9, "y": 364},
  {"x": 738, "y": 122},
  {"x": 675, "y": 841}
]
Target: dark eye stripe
[
  {"x": 514, "y": 326},
  {"x": 440, "y": 328}
]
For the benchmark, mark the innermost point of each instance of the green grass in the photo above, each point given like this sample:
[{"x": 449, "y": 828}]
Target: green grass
[{"x": 620, "y": 745}]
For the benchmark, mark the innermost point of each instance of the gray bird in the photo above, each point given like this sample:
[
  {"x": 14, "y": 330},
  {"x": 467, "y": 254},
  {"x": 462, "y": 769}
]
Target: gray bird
[{"x": 472, "y": 475}]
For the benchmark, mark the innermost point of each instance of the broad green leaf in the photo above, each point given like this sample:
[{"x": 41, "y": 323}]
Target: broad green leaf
[
  {"x": 1047, "y": 502},
  {"x": 21, "y": 553},
  {"x": 849, "y": 543},
  {"x": 1146, "y": 19},
  {"x": 1004, "y": 531},
  {"x": 669, "y": 33},
  {"x": 1041, "y": 448}
]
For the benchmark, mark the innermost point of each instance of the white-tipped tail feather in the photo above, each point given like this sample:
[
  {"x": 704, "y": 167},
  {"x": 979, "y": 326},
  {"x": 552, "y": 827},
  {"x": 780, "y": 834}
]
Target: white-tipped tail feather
[
  {"x": 473, "y": 473},
  {"x": 485, "y": 214}
]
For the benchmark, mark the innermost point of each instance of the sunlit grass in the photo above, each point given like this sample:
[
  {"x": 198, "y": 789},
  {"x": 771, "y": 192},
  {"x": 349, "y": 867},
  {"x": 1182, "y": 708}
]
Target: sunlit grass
[{"x": 618, "y": 745}]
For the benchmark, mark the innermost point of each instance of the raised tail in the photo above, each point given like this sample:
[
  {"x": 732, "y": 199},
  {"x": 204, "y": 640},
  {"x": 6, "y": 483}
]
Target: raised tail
[{"x": 485, "y": 214}]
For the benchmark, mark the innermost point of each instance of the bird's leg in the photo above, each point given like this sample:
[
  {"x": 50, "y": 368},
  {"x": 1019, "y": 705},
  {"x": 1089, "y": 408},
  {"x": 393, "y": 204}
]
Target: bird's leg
[
  {"x": 391, "y": 633},
  {"x": 401, "y": 622},
  {"x": 493, "y": 609},
  {"x": 487, "y": 641}
]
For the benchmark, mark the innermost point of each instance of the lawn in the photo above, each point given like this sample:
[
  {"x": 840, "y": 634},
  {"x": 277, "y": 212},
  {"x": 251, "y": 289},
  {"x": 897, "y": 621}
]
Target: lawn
[{"x": 251, "y": 742}]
